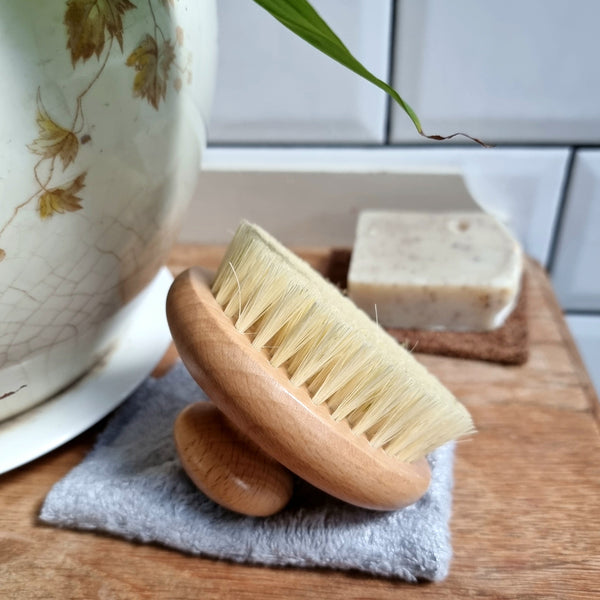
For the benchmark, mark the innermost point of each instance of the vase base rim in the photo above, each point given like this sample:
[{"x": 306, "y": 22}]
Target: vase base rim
[{"x": 35, "y": 432}]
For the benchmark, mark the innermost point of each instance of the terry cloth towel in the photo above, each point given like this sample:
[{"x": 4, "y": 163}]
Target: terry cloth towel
[
  {"x": 132, "y": 485},
  {"x": 508, "y": 344}
]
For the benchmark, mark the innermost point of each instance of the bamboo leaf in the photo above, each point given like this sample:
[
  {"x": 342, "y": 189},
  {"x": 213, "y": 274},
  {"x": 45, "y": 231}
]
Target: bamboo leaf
[{"x": 301, "y": 18}]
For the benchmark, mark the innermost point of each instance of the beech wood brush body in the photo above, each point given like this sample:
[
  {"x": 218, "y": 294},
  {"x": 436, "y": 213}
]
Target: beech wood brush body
[{"x": 304, "y": 379}]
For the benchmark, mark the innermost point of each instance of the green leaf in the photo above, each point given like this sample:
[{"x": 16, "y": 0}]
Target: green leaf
[{"x": 300, "y": 17}]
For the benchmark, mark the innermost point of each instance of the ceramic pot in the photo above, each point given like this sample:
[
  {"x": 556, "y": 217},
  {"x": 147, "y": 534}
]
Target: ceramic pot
[{"x": 103, "y": 114}]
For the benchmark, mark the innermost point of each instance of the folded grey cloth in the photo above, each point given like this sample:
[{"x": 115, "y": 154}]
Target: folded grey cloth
[{"x": 132, "y": 485}]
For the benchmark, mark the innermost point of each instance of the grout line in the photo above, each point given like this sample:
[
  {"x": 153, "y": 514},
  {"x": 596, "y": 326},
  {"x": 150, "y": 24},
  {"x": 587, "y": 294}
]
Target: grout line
[
  {"x": 405, "y": 146},
  {"x": 560, "y": 215},
  {"x": 582, "y": 312},
  {"x": 293, "y": 146},
  {"x": 390, "y": 74}
]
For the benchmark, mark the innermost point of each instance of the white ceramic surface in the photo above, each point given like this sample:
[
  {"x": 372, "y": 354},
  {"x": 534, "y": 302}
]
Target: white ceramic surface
[
  {"x": 576, "y": 268},
  {"x": 140, "y": 347},
  {"x": 280, "y": 89},
  {"x": 586, "y": 331},
  {"x": 511, "y": 71},
  {"x": 103, "y": 127},
  {"x": 327, "y": 187}
]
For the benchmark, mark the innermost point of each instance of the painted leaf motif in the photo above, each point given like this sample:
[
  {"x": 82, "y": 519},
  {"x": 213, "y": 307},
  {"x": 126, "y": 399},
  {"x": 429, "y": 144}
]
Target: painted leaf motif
[
  {"x": 62, "y": 199},
  {"x": 152, "y": 64},
  {"x": 87, "y": 22},
  {"x": 53, "y": 139},
  {"x": 179, "y": 35},
  {"x": 2, "y": 254}
]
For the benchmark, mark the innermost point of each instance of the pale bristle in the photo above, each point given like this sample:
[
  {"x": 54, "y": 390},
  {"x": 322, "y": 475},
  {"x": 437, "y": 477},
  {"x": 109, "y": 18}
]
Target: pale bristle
[{"x": 344, "y": 359}]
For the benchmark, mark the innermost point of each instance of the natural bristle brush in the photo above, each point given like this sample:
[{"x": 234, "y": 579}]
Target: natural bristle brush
[{"x": 301, "y": 378}]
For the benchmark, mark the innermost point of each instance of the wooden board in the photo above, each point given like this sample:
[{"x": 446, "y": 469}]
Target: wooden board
[{"x": 526, "y": 500}]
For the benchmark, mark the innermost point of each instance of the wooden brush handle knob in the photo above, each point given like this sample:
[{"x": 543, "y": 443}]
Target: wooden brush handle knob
[{"x": 227, "y": 466}]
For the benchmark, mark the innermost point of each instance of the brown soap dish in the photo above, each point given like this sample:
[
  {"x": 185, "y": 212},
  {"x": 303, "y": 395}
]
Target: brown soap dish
[{"x": 508, "y": 344}]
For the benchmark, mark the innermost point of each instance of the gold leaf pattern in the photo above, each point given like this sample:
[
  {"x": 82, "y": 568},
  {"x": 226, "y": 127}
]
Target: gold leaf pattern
[
  {"x": 53, "y": 139},
  {"x": 62, "y": 199},
  {"x": 152, "y": 65},
  {"x": 2, "y": 254},
  {"x": 88, "y": 20}
]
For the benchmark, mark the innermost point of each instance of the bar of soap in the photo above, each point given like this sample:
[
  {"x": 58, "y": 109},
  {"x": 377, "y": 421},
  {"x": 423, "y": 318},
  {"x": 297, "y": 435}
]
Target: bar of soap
[{"x": 446, "y": 271}]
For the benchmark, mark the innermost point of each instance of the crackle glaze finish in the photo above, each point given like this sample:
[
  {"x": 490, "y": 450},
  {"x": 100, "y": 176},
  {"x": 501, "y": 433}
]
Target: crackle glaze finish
[{"x": 104, "y": 107}]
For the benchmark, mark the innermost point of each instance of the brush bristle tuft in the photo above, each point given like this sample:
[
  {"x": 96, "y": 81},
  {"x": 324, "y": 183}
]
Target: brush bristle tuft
[{"x": 345, "y": 360}]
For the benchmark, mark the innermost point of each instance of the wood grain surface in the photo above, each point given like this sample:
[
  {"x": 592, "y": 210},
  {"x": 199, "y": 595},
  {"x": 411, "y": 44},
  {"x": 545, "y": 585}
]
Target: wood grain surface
[
  {"x": 227, "y": 466},
  {"x": 526, "y": 499}
]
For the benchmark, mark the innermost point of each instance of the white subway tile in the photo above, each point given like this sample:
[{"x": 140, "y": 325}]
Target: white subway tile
[
  {"x": 312, "y": 196},
  {"x": 273, "y": 87},
  {"x": 586, "y": 331},
  {"x": 510, "y": 71},
  {"x": 576, "y": 269}
]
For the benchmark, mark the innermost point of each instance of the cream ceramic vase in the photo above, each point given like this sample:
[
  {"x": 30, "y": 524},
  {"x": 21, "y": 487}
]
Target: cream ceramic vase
[{"x": 103, "y": 111}]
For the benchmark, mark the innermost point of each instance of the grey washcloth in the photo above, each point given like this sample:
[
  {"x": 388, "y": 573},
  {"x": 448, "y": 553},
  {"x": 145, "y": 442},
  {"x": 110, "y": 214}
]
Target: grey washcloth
[{"x": 132, "y": 485}]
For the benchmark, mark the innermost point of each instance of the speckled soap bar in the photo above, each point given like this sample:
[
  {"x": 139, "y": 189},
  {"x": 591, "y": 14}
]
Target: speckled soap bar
[{"x": 448, "y": 271}]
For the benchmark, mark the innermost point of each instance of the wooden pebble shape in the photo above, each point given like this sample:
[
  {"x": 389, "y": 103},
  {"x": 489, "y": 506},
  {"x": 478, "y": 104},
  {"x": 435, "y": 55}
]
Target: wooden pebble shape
[{"x": 227, "y": 466}]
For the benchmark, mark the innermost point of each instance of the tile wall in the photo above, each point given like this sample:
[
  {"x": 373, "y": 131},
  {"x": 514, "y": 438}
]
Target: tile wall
[{"x": 521, "y": 75}]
